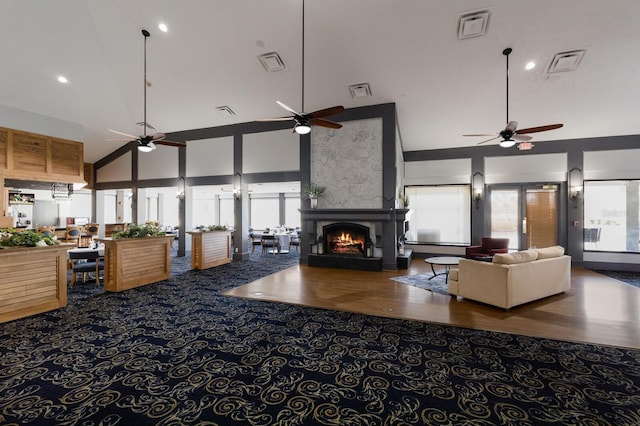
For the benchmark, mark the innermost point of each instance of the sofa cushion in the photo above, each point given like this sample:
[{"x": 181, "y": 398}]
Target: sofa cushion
[
  {"x": 517, "y": 257},
  {"x": 549, "y": 252}
]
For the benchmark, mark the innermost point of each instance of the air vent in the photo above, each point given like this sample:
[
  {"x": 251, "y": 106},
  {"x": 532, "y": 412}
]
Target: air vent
[
  {"x": 361, "y": 90},
  {"x": 473, "y": 24},
  {"x": 565, "y": 61},
  {"x": 272, "y": 62},
  {"x": 225, "y": 111}
]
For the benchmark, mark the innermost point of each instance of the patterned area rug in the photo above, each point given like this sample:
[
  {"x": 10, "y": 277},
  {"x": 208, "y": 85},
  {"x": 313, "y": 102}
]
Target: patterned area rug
[
  {"x": 436, "y": 284},
  {"x": 632, "y": 278},
  {"x": 179, "y": 352}
]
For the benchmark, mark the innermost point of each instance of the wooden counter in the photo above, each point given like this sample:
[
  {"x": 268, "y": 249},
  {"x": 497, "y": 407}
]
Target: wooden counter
[
  {"x": 134, "y": 262},
  {"x": 32, "y": 280},
  {"x": 209, "y": 249}
]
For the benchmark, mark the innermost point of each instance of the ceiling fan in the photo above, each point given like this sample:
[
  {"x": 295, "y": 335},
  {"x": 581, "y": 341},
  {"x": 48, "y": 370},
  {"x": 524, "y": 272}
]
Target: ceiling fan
[
  {"x": 511, "y": 135},
  {"x": 147, "y": 143},
  {"x": 303, "y": 120}
]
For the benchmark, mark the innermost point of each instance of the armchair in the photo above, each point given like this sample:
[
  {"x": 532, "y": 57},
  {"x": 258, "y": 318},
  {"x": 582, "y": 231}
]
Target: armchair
[{"x": 488, "y": 248}]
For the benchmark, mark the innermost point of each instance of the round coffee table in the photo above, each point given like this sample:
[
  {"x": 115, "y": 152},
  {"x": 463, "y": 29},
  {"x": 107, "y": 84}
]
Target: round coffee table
[{"x": 446, "y": 261}]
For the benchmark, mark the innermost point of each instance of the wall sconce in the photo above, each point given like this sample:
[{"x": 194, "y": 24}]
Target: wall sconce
[
  {"x": 575, "y": 185},
  {"x": 477, "y": 186},
  {"x": 181, "y": 187},
  {"x": 237, "y": 186}
]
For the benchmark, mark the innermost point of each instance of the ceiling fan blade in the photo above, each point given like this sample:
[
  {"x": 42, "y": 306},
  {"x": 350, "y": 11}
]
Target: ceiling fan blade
[
  {"x": 511, "y": 127},
  {"x": 123, "y": 134},
  {"x": 326, "y": 112},
  {"x": 291, "y": 110},
  {"x": 521, "y": 138},
  {"x": 325, "y": 123},
  {"x": 169, "y": 143},
  {"x": 489, "y": 140},
  {"x": 158, "y": 136},
  {"x": 275, "y": 119},
  {"x": 541, "y": 128},
  {"x": 119, "y": 139},
  {"x": 481, "y": 134}
]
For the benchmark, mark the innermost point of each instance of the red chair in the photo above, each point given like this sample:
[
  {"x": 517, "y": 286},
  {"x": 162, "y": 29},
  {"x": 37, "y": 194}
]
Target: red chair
[{"x": 488, "y": 248}]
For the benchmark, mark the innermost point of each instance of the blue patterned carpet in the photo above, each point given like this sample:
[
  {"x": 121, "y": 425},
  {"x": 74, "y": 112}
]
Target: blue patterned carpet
[
  {"x": 425, "y": 281},
  {"x": 178, "y": 352}
]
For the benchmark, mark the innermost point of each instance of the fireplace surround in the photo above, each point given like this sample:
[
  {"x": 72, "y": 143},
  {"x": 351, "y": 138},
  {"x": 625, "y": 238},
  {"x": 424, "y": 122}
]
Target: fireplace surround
[{"x": 381, "y": 226}]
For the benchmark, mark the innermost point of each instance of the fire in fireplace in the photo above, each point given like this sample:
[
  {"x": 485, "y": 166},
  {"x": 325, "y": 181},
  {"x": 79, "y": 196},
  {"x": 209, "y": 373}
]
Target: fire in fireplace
[{"x": 348, "y": 239}]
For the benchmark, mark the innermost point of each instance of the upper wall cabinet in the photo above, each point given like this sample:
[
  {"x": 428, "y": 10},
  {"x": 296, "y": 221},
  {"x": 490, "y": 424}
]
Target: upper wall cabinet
[{"x": 30, "y": 156}]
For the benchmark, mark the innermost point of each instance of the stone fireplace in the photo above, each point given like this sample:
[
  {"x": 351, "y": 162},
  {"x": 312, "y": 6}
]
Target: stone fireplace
[{"x": 346, "y": 234}]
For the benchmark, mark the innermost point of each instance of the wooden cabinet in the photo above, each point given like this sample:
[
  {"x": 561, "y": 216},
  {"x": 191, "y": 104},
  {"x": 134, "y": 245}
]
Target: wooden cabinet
[
  {"x": 32, "y": 280},
  {"x": 134, "y": 262},
  {"x": 210, "y": 249},
  {"x": 29, "y": 156}
]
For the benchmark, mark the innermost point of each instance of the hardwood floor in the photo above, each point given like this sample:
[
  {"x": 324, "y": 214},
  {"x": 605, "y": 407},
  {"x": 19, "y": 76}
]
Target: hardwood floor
[{"x": 597, "y": 309}]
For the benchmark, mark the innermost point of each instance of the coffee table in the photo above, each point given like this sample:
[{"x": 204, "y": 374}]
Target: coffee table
[{"x": 446, "y": 261}]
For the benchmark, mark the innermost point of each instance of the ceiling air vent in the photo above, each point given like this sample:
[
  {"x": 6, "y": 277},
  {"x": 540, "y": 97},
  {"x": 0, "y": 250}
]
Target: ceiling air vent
[
  {"x": 361, "y": 90},
  {"x": 225, "y": 111},
  {"x": 473, "y": 24},
  {"x": 565, "y": 61},
  {"x": 272, "y": 62}
]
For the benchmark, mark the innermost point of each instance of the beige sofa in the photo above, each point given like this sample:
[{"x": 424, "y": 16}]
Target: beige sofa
[{"x": 514, "y": 278}]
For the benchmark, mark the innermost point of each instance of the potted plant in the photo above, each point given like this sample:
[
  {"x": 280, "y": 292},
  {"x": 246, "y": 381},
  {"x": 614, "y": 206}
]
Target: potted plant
[
  {"x": 9, "y": 237},
  {"x": 314, "y": 191},
  {"x": 139, "y": 255},
  {"x": 34, "y": 277}
]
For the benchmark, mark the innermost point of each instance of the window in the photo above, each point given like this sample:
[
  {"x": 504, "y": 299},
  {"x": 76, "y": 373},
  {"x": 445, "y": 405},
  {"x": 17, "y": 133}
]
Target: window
[
  {"x": 611, "y": 218},
  {"x": 441, "y": 214},
  {"x": 265, "y": 212}
]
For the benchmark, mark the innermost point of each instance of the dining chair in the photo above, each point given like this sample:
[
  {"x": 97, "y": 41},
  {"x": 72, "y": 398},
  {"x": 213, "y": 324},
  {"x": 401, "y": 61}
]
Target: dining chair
[
  {"x": 90, "y": 232},
  {"x": 295, "y": 241},
  {"x": 73, "y": 234},
  {"x": 85, "y": 262},
  {"x": 269, "y": 242},
  {"x": 255, "y": 241},
  {"x": 48, "y": 231}
]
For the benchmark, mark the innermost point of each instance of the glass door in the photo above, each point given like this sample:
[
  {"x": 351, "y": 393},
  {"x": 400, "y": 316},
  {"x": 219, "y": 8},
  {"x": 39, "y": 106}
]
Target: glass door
[{"x": 526, "y": 214}]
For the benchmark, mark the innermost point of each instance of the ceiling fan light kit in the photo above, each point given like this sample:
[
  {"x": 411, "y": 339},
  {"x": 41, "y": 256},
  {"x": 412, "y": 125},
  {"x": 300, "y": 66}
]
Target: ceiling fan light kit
[
  {"x": 147, "y": 148},
  {"x": 511, "y": 135}
]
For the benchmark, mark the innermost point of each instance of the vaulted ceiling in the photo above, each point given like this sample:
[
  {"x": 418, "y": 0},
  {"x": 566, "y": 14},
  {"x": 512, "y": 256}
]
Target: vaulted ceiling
[{"x": 408, "y": 51}]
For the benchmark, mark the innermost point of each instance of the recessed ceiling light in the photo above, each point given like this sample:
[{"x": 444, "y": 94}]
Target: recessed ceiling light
[
  {"x": 163, "y": 27},
  {"x": 530, "y": 65},
  {"x": 62, "y": 79}
]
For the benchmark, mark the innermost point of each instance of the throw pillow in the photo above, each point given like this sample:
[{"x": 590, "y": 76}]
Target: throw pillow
[
  {"x": 549, "y": 252},
  {"x": 517, "y": 257}
]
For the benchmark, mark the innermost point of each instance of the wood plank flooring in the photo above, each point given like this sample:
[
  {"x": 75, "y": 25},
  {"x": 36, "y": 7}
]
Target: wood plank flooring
[{"x": 597, "y": 309}]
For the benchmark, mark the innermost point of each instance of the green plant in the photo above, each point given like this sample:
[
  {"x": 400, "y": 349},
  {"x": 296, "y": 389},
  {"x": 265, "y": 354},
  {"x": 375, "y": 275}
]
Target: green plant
[
  {"x": 211, "y": 228},
  {"x": 9, "y": 237},
  {"x": 313, "y": 190},
  {"x": 139, "y": 231},
  {"x": 404, "y": 199}
]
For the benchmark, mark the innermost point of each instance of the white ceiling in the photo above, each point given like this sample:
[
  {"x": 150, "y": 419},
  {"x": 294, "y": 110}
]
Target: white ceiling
[{"x": 408, "y": 51}]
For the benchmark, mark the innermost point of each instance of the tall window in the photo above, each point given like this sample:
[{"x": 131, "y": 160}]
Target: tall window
[
  {"x": 265, "y": 211},
  {"x": 611, "y": 215},
  {"x": 441, "y": 214}
]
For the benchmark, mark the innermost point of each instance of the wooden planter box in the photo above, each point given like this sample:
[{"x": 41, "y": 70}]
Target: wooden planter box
[
  {"x": 32, "y": 280},
  {"x": 134, "y": 262},
  {"x": 210, "y": 249}
]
